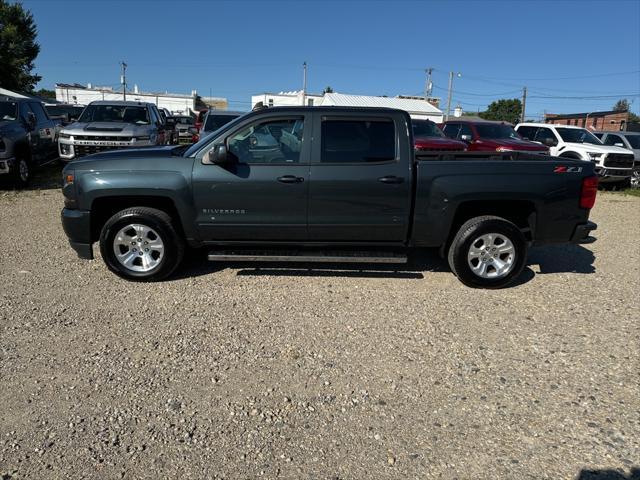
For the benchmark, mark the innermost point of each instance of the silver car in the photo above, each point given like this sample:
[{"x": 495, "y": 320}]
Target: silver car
[
  {"x": 109, "y": 125},
  {"x": 630, "y": 141}
]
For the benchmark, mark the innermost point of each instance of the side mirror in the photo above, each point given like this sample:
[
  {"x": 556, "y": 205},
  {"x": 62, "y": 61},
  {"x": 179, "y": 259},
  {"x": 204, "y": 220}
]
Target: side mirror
[
  {"x": 549, "y": 142},
  {"x": 466, "y": 138},
  {"x": 218, "y": 155},
  {"x": 193, "y": 130},
  {"x": 31, "y": 120}
]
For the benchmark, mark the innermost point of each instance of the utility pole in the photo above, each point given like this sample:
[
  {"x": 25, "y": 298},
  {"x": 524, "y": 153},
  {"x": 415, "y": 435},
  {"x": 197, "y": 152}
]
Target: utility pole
[
  {"x": 450, "y": 93},
  {"x": 123, "y": 80},
  {"x": 304, "y": 83},
  {"x": 428, "y": 86},
  {"x": 524, "y": 103}
]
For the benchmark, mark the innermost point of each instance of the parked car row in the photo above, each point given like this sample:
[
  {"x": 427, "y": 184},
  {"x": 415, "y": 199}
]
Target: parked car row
[{"x": 616, "y": 155}]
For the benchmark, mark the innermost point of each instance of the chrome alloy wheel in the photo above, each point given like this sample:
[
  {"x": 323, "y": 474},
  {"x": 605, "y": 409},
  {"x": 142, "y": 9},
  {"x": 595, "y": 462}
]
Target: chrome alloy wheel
[
  {"x": 635, "y": 179},
  {"x": 491, "y": 255},
  {"x": 138, "y": 248}
]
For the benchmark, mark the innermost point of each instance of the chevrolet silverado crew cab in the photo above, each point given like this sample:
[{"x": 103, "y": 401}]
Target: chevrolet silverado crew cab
[
  {"x": 614, "y": 165},
  {"x": 27, "y": 138},
  {"x": 329, "y": 184},
  {"x": 109, "y": 125}
]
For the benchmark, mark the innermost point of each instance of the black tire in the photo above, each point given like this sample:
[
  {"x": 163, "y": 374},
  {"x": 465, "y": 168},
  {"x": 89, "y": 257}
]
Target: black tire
[
  {"x": 469, "y": 234},
  {"x": 157, "y": 220},
  {"x": 21, "y": 174}
]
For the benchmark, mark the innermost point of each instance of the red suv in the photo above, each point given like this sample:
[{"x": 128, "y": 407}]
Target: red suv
[
  {"x": 427, "y": 136},
  {"x": 483, "y": 136}
]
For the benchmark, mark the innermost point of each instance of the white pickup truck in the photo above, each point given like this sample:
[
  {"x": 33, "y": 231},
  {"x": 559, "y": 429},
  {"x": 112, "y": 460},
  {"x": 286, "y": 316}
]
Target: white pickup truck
[{"x": 614, "y": 165}]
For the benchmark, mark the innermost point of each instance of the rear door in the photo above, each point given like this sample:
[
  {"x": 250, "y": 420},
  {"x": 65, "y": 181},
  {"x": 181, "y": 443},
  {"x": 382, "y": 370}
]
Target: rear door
[
  {"x": 45, "y": 130},
  {"x": 262, "y": 195},
  {"x": 360, "y": 178}
]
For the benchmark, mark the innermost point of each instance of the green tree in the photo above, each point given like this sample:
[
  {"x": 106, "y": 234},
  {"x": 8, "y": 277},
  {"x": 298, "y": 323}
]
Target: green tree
[
  {"x": 621, "y": 105},
  {"x": 328, "y": 90},
  {"x": 505, "y": 110},
  {"x": 45, "y": 93},
  {"x": 18, "y": 47}
]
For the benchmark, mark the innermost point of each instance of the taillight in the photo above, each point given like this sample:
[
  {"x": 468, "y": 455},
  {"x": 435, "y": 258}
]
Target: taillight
[{"x": 589, "y": 192}]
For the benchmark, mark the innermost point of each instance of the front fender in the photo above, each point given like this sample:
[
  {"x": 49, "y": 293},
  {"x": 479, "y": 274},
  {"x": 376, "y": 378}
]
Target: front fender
[{"x": 127, "y": 184}]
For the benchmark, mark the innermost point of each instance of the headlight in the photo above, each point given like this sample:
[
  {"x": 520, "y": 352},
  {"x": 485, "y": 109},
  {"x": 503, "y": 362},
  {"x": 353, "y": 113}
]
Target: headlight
[
  {"x": 65, "y": 148},
  {"x": 594, "y": 155},
  {"x": 64, "y": 135}
]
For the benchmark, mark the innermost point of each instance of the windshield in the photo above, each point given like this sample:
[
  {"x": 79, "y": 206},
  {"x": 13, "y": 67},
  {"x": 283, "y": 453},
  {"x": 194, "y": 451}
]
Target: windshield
[
  {"x": 184, "y": 120},
  {"x": 496, "y": 130},
  {"x": 634, "y": 141},
  {"x": 425, "y": 128},
  {"x": 214, "y": 122},
  {"x": 578, "y": 135},
  {"x": 54, "y": 110},
  {"x": 8, "y": 111},
  {"x": 115, "y": 113},
  {"x": 204, "y": 140}
]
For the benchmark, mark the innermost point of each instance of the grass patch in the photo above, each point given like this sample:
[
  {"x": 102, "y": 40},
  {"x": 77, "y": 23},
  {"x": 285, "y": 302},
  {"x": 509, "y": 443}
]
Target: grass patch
[{"x": 635, "y": 192}]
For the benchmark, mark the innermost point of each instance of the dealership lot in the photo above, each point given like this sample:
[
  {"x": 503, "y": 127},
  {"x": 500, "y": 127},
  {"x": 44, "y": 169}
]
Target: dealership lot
[{"x": 288, "y": 372}]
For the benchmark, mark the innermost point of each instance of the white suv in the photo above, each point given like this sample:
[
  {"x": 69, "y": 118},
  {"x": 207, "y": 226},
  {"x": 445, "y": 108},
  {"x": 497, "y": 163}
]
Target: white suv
[{"x": 614, "y": 165}]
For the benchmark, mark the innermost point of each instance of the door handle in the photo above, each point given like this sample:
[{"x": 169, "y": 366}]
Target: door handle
[
  {"x": 391, "y": 179},
  {"x": 290, "y": 179}
]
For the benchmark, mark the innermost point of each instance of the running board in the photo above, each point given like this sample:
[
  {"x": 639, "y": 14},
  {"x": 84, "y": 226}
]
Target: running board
[{"x": 308, "y": 257}]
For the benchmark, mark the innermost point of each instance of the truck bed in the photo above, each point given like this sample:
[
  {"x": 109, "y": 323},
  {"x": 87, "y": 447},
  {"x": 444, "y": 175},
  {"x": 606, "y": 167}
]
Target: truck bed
[{"x": 532, "y": 186}]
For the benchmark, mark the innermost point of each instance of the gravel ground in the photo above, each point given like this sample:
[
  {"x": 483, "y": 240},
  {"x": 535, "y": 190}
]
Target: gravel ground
[{"x": 239, "y": 372}]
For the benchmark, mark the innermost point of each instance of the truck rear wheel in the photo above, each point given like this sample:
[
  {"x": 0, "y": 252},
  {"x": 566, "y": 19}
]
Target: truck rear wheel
[
  {"x": 141, "y": 244},
  {"x": 488, "y": 252}
]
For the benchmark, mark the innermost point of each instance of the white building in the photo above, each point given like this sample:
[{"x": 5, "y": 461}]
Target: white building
[
  {"x": 288, "y": 99},
  {"x": 417, "y": 108},
  {"x": 79, "y": 94}
]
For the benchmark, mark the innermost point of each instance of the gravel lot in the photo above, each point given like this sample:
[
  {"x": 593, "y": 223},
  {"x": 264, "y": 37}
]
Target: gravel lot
[{"x": 239, "y": 372}]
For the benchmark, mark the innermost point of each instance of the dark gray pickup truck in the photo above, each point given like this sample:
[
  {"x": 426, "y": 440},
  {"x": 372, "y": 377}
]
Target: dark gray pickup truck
[{"x": 323, "y": 184}]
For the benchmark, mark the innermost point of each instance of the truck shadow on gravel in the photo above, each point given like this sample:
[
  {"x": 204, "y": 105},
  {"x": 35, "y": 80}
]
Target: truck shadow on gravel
[
  {"x": 550, "y": 259},
  {"x": 565, "y": 258},
  {"x": 634, "y": 474}
]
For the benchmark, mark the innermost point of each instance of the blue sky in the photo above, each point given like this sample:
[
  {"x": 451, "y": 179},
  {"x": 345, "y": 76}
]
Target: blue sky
[{"x": 236, "y": 49}]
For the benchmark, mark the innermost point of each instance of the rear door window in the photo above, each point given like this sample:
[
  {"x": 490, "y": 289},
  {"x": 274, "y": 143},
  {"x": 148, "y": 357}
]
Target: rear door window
[
  {"x": 358, "y": 141},
  {"x": 41, "y": 115}
]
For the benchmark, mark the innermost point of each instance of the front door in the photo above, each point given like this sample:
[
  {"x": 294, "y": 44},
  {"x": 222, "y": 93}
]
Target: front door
[
  {"x": 262, "y": 194},
  {"x": 359, "y": 188}
]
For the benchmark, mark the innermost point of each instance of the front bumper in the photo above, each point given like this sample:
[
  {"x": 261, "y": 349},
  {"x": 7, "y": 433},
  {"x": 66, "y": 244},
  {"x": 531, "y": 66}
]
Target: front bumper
[
  {"x": 77, "y": 226},
  {"x": 6, "y": 164},
  {"x": 613, "y": 174},
  {"x": 582, "y": 233}
]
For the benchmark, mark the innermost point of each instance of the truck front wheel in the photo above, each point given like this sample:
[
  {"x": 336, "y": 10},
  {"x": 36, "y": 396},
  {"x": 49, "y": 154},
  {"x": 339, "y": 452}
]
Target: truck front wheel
[
  {"x": 21, "y": 171},
  {"x": 488, "y": 252},
  {"x": 141, "y": 244}
]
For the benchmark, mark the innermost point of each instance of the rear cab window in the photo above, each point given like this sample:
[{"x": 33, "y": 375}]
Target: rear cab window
[{"x": 355, "y": 140}]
